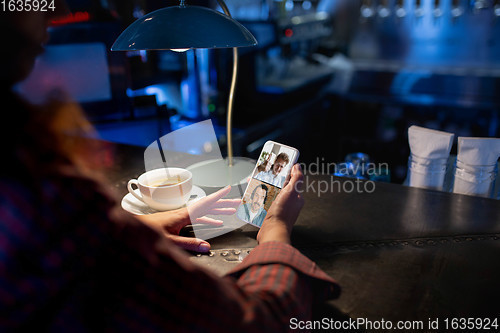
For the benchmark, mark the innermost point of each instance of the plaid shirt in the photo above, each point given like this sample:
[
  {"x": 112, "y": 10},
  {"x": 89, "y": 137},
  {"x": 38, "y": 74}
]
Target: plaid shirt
[{"x": 70, "y": 260}]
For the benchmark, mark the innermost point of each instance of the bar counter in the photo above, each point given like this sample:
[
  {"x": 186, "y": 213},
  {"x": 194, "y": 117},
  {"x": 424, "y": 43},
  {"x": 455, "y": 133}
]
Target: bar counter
[{"x": 399, "y": 253}]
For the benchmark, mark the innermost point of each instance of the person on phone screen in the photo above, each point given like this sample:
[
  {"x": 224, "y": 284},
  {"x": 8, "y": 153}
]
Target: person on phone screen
[
  {"x": 254, "y": 211},
  {"x": 273, "y": 176}
]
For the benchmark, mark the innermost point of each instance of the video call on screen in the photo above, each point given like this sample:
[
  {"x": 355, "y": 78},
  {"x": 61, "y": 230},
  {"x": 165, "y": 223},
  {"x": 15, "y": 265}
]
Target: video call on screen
[{"x": 268, "y": 178}]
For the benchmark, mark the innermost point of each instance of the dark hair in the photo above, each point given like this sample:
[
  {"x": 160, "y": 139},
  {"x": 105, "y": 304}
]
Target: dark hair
[{"x": 262, "y": 186}]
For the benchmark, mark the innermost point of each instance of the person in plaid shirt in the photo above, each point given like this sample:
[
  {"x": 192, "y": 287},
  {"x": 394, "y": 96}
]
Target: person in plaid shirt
[{"x": 72, "y": 260}]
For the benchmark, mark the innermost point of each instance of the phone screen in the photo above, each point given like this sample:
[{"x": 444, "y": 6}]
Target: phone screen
[{"x": 268, "y": 178}]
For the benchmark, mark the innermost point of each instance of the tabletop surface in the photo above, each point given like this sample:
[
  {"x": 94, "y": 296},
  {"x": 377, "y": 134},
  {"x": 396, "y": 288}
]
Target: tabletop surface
[{"x": 399, "y": 253}]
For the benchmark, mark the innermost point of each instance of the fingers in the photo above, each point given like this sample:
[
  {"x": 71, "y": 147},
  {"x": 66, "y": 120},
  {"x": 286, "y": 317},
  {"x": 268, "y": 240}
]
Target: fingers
[
  {"x": 227, "y": 203},
  {"x": 209, "y": 200},
  {"x": 218, "y": 195},
  {"x": 204, "y": 205},
  {"x": 190, "y": 243},
  {"x": 298, "y": 178},
  {"x": 222, "y": 211},
  {"x": 214, "y": 205},
  {"x": 297, "y": 172},
  {"x": 209, "y": 221},
  {"x": 287, "y": 180},
  {"x": 296, "y": 181}
]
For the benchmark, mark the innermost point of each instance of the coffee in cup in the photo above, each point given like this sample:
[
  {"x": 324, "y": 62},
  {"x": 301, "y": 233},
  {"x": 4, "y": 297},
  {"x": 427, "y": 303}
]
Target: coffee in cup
[{"x": 163, "y": 189}]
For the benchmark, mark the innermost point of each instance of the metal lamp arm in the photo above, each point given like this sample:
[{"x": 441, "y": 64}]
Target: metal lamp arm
[{"x": 232, "y": 89}]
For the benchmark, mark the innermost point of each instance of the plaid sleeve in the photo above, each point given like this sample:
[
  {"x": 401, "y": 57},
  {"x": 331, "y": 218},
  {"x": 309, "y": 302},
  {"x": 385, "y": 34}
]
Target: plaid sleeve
[
  {"x": 278, "y": 252},
  {"x": 284, "y": 254}
]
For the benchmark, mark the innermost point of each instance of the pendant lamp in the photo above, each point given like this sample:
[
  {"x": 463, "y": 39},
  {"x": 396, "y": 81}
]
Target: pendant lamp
[{"x": 184, "y": 27}]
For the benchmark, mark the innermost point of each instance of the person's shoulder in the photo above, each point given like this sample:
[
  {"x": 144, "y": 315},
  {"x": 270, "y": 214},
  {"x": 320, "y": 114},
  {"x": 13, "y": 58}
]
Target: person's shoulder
[
  {"x": 69, "y": 182},
  {"x": 15, "y": 195},
  {"x": 63, "y": 194},
  {"x": 260, "y": 174},
  {"x": 265, "y": 174}
]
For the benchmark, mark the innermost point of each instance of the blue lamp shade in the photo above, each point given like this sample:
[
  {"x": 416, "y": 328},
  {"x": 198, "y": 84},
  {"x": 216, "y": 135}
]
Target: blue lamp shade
[{"x": 183, "y": 27}]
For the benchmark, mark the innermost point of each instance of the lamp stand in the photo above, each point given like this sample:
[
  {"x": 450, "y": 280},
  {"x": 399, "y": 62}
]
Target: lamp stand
[
  {"x": 214, "y": 174},
  {"x": 230, "y": 101}
]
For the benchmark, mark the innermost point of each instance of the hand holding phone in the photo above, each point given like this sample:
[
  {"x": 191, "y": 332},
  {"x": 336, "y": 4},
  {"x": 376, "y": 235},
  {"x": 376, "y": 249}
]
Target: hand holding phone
[
  {"x": 268, "y": 178},
  {"x": 284, "y": 211}
]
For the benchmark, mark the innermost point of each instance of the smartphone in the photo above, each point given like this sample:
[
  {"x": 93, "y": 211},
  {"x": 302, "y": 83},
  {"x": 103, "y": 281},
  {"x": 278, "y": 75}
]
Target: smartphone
[{"x": 268, "y": 178}]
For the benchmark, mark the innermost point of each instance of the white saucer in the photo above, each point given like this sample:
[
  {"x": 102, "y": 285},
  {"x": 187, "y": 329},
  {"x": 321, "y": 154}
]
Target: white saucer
[{"x": 135, "y": 206}]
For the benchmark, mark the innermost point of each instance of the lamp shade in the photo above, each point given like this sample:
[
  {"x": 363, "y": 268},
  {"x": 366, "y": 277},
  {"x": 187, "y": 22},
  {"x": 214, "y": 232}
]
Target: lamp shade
[{"x": 183, "y": 27}]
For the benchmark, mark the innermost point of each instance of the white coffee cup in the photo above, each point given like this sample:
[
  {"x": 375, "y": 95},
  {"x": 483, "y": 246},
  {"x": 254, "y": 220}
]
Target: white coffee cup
[{"x": 164, "y": 188}]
